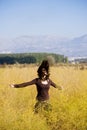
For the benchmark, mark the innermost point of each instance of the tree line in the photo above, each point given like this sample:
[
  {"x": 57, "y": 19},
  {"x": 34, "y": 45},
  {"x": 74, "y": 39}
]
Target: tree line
[{"x": 29, "y": 58}]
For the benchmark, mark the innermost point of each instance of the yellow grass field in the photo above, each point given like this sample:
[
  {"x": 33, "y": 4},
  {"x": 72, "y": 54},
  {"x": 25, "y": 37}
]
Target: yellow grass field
[{"x": 69, "y": 105}]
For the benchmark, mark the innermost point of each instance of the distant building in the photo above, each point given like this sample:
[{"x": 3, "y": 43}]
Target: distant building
[{"x": 76, "y": 60}]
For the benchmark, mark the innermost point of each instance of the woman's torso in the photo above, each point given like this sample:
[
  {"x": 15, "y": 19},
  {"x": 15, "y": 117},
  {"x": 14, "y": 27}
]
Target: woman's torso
[{"x": 42, "y": 89}]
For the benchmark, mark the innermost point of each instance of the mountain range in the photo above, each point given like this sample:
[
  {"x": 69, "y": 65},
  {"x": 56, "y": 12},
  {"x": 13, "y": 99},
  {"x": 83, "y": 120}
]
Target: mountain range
[{"x": 75, "y": 47}]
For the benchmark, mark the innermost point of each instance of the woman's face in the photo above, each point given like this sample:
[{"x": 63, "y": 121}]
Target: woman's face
[{"x": 44, "y": 73}]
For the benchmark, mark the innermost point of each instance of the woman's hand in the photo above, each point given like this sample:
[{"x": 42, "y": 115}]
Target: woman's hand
[
  {"x": 12, "y": 85},
  {"x": 59, "y": 87}
]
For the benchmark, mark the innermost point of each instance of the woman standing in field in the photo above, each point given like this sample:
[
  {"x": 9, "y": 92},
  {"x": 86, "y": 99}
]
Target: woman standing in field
[{"x": 43, "y": 83}]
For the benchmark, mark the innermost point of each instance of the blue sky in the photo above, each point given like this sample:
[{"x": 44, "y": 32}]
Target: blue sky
[{"x": 65, "y": 18}]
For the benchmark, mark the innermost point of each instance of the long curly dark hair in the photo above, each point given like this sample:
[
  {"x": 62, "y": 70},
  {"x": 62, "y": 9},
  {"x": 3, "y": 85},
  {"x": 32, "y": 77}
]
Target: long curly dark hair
[{"x": 44, "y": 65}]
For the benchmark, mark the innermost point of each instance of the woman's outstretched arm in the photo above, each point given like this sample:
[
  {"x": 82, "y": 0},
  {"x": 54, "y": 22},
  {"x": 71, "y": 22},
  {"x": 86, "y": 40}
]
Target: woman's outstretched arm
[
  {"x": 23, "y": 84},
  {"x": 55, "y": 85}
]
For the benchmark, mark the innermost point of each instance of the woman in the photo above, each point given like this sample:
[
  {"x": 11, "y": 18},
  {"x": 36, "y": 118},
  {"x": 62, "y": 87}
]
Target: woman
[{"x": 43, "y": 83}]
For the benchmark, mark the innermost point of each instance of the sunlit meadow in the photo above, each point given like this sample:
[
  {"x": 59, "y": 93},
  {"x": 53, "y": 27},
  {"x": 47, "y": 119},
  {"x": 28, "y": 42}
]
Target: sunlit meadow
[{"x": 69, "y": 106}]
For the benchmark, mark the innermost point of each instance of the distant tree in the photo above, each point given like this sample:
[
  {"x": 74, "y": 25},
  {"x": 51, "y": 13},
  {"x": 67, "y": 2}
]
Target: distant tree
[
  {"x": 7, "y": 60},
  {"x": 66, "y": 60},
  {"x": 51, "y": 59},
  {"x": 26, "y": 59}
]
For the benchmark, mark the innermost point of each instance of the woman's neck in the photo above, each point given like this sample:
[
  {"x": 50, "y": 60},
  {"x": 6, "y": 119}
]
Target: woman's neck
[
  {"x": 44, "y": 78},
  {"x": 44, "y": 82}
]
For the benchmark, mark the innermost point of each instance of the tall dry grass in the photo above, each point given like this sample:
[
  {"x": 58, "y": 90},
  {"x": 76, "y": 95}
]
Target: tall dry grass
[{"x": 69, "y": 105}]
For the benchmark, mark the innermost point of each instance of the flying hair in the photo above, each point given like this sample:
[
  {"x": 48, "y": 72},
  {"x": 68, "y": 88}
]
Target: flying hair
[{"x": 45, "y": 65}]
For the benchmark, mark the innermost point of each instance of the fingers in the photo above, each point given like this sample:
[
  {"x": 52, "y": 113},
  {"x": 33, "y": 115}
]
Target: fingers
[
  {"x": 12, "y": 86},
  {"x": 60, "y": 87}
]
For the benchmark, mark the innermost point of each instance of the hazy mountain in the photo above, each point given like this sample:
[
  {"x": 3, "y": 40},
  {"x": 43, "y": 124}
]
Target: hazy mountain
[{"x": 68, "y": 47}]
